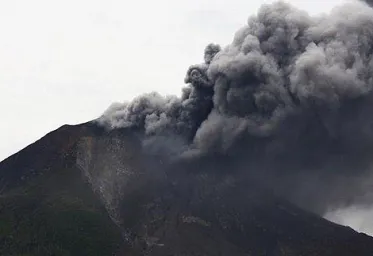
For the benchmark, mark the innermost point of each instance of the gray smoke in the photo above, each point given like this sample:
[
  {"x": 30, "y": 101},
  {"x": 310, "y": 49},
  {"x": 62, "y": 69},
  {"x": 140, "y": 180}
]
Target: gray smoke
[
  {"x": 289, "y": 102},
  {"x": 359, "y": 218},
  {"x": 370, "y": 2}
]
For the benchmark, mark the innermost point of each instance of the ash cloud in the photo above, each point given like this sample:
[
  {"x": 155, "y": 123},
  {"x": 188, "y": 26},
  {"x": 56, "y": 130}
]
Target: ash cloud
[
  {"x": 370, "y": 2},
  {"x": 357, "y": 217},
  {"x": 289, "y": 102}
]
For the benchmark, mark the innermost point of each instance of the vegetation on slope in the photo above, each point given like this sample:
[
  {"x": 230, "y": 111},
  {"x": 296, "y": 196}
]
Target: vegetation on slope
[
  {"x": 46, "y": 208},
  {"x": 55, "y": 215}
]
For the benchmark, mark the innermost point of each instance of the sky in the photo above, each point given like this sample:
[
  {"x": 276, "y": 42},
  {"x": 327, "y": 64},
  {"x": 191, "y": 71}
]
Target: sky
[{"x": 65, "y": 62}]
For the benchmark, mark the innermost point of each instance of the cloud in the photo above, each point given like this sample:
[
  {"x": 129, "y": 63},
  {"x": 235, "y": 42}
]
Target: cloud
[
  {"x": 360, "y": 218},
  {"x": 288, "y": 101}
]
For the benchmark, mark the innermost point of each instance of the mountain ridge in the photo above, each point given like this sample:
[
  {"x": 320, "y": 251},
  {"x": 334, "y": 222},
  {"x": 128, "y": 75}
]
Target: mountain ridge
[{"x": 157, "y": 209}]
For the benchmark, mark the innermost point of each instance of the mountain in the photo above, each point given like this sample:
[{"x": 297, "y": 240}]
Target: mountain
[
  {"x": 46, "y": 208},
  {"x": 83, "y": 191}
]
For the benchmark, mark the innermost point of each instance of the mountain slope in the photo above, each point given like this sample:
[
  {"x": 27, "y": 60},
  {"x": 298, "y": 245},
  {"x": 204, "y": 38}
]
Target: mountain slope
[
  {"x": 203, "y": 207},
  {"x": 46, "y": 208},
  {"x": 83, "y": 191}
]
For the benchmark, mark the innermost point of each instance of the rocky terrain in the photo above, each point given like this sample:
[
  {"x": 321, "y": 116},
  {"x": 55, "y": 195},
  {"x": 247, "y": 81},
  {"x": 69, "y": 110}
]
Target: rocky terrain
[{"x": 83, "y": 191}]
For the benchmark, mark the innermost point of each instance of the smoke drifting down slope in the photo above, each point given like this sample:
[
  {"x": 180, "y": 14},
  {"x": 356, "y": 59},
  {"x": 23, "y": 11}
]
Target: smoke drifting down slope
[{"x": 288, "y": 102}]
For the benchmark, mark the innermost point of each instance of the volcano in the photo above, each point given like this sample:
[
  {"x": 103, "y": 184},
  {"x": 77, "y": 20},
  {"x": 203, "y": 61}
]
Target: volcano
[
  {"x": 81, "y": 190},
  {"x": 270, "y": 133}
]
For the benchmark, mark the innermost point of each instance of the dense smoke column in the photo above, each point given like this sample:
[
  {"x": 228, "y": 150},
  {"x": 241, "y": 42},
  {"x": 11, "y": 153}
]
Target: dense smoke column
[
  {"x": 201, "y": 91},
  {"x": 294, "y": 94},
  {"x": 157, "y": 115},
  {"x": 370, "y": 2},
  {"x": 290, "y": 99},
  {"x": 285, "y": 65}
]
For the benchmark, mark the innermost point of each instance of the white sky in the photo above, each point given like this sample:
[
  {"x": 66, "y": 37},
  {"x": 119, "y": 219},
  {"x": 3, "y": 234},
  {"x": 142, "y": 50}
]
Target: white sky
[{"x": 67, "y": 61}]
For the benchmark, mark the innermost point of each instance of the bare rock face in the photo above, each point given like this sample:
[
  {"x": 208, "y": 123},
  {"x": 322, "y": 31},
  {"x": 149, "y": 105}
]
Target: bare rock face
[
  {"x": 46, "y": 207},
  {"x": 83, "y": 191},
  {"x": 184, "y": 208},
  {"x": 111, "y": 165}
]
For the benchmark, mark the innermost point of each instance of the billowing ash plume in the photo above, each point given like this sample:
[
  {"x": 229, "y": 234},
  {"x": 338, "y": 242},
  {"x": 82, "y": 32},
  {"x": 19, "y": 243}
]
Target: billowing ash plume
[
  {"x": 289, "y": 102},
  {"x": 370, "y": 2}
]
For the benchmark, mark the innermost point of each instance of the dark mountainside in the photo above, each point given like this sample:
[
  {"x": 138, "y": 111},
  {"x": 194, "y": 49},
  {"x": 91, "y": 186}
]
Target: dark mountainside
[
  {"x": 270, "y": 133},
  {"x": 48, "y": 206}
]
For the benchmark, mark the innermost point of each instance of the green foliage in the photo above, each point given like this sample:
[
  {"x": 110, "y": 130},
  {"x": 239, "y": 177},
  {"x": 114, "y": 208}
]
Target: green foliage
[{"x": 55, "y": 214}]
